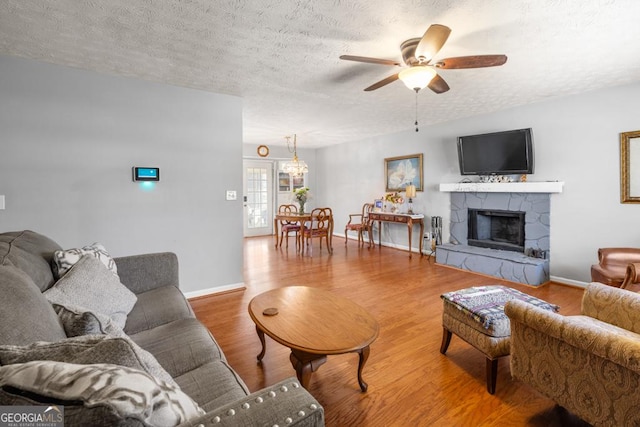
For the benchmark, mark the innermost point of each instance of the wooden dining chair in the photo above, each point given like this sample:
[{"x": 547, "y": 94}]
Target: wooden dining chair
[
  {"x": 320, "y": 226},
  {"x": 287, "y": 226},
  {"x": 359, "y": 223}
]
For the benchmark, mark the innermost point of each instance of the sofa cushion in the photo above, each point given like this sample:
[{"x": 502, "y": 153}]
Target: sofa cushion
[
  {"x": 213, "y": 384},
  {"x": 78, "y": 321},
  {"x": 130, "y": 393},
  {"x": 21, "y": 299},
  {"x": 144, "y": 272},
  {"x": 63, "y": 260},
  {"x": 91, "y": 285},
  {"x": 157, "y": 307},
  {"x": 180, "y": 346},
  {"x": 30, "y": 252},
  {"x": 86, "y": 350}
]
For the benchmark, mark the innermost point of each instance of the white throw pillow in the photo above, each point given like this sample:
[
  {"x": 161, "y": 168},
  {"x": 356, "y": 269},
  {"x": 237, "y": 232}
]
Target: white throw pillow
[
  {"x": 64, "y": 260},
  {"x": 131, "y": 393},
  {"x": 89, "y": 284}
]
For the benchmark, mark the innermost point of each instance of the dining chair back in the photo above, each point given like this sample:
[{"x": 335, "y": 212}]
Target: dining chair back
[
  {"x": 320, "y": 226},
  {"x": 287, "y": 226}
]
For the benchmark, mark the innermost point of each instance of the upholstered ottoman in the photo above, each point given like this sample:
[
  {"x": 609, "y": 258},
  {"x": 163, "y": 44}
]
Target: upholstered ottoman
[{"x": 477, "y": 316}]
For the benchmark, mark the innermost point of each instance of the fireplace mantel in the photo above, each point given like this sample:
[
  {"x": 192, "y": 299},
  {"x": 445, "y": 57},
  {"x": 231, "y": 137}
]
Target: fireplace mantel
[{"x": 503, "y": 187}]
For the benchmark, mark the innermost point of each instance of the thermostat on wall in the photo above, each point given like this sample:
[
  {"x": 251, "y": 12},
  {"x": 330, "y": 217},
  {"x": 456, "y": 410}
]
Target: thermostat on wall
[{"x": 146, "y": 174}]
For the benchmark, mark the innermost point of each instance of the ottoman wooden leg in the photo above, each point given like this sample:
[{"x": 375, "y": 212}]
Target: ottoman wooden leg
[
  {"x": 446, "y": 339},
  {"x": 492, "y": 375}
]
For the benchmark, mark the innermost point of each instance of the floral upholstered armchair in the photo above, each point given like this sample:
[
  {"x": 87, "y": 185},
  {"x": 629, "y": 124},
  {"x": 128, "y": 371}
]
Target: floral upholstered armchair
[{"x": 590, "y": 363}]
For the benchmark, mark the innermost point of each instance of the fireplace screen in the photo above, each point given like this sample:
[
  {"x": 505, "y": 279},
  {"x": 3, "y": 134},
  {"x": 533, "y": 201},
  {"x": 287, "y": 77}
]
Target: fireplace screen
[{"x": 496, "y": 229}]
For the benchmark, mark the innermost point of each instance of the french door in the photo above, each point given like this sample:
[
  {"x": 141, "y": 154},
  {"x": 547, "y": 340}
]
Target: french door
[{"x": 258, "y": 198}]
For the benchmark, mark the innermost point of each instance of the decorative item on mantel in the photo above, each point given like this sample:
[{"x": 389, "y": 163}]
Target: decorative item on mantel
[
  {"x": 392, "y": 200},
  {"x": 301, "y": 194},
  {"x": 497, "y": 178},
  {"x": 294, "y": 167}
]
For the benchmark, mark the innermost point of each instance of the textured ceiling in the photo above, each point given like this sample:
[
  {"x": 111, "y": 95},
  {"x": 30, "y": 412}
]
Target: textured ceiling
[{"x": 281, "y": 56}]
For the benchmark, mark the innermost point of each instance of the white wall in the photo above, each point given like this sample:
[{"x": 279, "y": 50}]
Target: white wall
[
  {"x": 576, "y": 140},
  {"x": 68, "y": 141}
]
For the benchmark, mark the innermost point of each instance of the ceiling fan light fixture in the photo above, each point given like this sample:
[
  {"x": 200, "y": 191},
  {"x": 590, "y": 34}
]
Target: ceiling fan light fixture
[{"x": 417, "y": 77}]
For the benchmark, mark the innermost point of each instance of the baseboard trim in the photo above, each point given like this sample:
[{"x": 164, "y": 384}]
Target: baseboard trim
[
  {"x": 217, "y": 290},
  {"x": 570, "y": 282}
]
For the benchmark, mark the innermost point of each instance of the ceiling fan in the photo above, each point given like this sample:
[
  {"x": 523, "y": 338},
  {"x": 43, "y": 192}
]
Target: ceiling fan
[{"x": 418, "y": 53}]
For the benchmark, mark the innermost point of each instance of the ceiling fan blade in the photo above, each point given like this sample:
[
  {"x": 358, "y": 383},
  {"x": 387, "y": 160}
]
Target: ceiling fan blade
[
  {"x": 432, "y": 41},
  {"x": 438, "y": 85},
  {"x": 383, "y": 82},
  {"x": 369, "y": 60},
  {"x": 476, "y": 61}
]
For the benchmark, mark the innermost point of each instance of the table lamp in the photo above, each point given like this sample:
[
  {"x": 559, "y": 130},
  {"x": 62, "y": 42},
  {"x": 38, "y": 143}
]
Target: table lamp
[{"x": 410, "y": 193}]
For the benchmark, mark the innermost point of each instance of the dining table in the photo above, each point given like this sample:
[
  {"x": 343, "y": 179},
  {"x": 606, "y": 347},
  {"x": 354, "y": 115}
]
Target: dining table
[{"x": 300, "y": 218}]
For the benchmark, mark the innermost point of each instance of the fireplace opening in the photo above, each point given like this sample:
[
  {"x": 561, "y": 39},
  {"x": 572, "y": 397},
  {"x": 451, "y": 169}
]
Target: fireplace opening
[{"x": 496, "y": 229}]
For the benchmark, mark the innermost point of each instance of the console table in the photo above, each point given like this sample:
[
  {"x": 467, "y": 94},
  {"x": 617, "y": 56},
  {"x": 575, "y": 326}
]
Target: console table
[{"x": 398, "y": 218}]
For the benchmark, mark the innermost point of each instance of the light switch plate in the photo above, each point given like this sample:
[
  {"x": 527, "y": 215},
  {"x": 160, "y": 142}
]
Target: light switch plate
[
  {"x": 231, "y": 195},
  {"x": 1, "y": 203}
]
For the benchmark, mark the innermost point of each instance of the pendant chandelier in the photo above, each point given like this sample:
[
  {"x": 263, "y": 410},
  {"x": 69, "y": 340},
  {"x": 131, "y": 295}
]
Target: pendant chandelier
[{"x": 294, "y": 167}]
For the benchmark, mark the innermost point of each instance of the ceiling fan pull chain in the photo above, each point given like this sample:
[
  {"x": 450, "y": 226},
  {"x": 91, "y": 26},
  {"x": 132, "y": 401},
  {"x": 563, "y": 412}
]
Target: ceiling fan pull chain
[{"x": 416, "y": 111}]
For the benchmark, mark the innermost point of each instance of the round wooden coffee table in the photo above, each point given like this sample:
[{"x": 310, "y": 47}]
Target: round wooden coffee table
[{"x": 313, "y": 323}]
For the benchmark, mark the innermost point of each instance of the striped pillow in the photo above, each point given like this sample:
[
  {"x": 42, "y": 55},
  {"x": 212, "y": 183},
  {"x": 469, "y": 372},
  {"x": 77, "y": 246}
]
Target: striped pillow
[{"x": 64, "y": 260}]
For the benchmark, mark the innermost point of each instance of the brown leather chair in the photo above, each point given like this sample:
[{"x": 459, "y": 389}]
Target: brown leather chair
[
  {"x": 632, "y": 277},
  {"x": 359, "y": 223},
  {"x": 617, "y": 267}
]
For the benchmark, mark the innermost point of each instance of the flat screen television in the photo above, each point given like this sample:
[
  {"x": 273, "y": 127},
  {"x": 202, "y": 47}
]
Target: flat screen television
[{"x": 499, "y": 153}]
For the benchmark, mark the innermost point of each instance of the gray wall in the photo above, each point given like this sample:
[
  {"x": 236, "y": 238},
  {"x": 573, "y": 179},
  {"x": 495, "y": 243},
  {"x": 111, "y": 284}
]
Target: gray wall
[
  {"x": 576, "y": 141},
  {"x": 68, "y": 141}
]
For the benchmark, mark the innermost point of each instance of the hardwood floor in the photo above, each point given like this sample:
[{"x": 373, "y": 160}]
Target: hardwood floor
[{"x": 410, "y": 382}]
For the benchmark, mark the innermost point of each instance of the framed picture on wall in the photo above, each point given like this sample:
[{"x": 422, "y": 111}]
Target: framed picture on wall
[
  {"x": 402, "y": 171},
  {"x": 630, "y": 166}
]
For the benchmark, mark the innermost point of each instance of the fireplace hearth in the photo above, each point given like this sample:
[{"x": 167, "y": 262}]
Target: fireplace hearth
[{"x": 496, "y": 229}]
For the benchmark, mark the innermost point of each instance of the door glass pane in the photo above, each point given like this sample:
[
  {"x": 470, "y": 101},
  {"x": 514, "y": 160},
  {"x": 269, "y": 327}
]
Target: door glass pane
[{"x": 257, "y": 198}]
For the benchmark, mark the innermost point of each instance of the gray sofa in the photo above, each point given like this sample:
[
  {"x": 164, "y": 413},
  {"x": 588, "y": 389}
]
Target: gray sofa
[{"x": 161, "y": 323}]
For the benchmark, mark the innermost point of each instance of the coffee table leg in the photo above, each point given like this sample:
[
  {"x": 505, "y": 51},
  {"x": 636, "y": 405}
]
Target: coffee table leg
[
  {"x": 264, "y": 344},
  {"x": 305, "y": 364},
  {"x": 364, "y": 355}
]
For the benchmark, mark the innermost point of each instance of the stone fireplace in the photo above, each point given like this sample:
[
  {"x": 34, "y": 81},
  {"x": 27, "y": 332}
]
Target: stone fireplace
[{"x": 500, "y": 231}]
